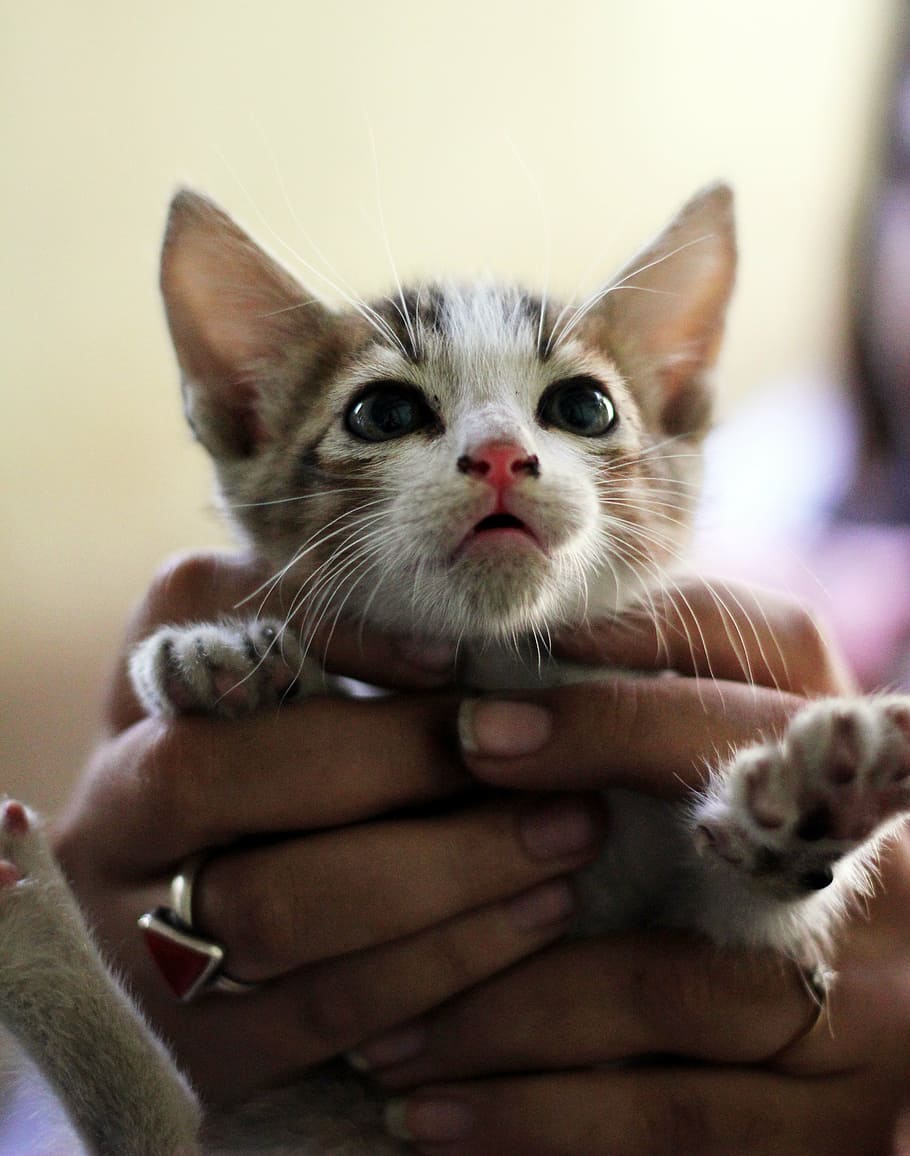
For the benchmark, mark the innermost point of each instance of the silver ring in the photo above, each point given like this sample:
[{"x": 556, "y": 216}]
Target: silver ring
[
  {"x": 191, "y": 964},
  {"x": 817, "y": 981},
  {"x": 181, "y": 891}
]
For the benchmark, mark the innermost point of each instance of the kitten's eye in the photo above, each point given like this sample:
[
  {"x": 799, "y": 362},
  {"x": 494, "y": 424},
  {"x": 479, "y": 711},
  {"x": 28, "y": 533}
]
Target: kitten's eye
[
  {"x": 578, "y": 405},
  {"x": 389, "y": 410}
]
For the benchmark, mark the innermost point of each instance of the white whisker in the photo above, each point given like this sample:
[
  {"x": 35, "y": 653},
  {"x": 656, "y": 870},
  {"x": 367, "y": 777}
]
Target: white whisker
[
  {"x": 367, "y": 312},
  {"x": 401, "y": 306},
  {"x": 557, "y": 338}
]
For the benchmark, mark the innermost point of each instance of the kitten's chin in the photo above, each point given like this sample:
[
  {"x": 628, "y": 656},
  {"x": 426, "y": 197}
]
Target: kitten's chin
[{"x": 494, "y": 594}]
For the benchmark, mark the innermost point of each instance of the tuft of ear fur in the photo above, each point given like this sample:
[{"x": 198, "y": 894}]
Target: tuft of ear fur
[
  {"x": 234, "y": 313},
  {"x": 663, "y": 315}
]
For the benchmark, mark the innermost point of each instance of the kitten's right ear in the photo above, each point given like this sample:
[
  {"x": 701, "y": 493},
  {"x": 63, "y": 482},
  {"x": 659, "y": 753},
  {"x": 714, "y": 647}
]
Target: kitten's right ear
[
  {"x": 234, "y": 314},
  {"x": 663, "y": 314}
]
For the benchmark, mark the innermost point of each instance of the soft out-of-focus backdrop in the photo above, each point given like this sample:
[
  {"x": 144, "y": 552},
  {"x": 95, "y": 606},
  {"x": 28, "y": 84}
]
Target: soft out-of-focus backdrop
[{"x": 461, "y": 135}]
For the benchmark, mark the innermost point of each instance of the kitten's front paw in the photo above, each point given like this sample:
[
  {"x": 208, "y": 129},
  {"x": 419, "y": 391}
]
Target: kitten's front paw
[
  {"x": 226, "y": 668},
  {"x": 23, "y": 851},
  {"x": 783, "y": 814}
]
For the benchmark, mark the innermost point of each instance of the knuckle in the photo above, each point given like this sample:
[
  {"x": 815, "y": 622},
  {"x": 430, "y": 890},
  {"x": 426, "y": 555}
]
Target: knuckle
[
  {"x": 163, "y": 781},
  {"x": 807, "y": 630},
  {"x": 333, "y": 1012},
  {"x": 668, "y": 1007},
  {"x": 684, "y": 1126},
  {"x": 642, "y": 992},
  {"x": 683, "y": 1122},
  {"x": 177, "y": 582},
  {"x": 175, "y": 773},
  {"x": 804, "y": 633},
  {"x": 675, "y": 1123},
  {"x": 195, "y": 585},
  {"x": 621, "y": 701},
  {"x": 454, "y": 962},
  {"x": 252, "y": 920}
]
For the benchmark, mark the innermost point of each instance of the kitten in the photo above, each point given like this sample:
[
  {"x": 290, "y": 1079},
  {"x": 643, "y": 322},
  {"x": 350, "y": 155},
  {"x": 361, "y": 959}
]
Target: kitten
[{"x": 466, "y": 463}]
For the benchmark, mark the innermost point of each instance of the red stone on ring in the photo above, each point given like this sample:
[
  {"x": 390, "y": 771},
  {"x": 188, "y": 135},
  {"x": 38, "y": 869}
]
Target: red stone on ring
[{"x": 186, "y": 961}]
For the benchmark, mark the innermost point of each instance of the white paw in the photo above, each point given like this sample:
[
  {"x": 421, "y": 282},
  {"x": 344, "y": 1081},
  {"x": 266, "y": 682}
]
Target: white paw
[
  {"x": 226, "y": 668},
  {"x": 23, "y": 851},
  {"x": 784, "y": 813}
]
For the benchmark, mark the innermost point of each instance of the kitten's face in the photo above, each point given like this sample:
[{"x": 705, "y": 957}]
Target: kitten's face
[{"x": 460, "y": 462}]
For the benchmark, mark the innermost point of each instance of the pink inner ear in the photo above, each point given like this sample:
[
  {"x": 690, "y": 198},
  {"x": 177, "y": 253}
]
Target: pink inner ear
[{"x": 232, "y": 311}]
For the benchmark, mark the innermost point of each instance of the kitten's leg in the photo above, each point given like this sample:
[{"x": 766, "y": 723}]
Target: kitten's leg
[
  {"x": 787, "y": 820},
  {"x": 120, "y": 1088},
  {"x": 227, "y": 668}
]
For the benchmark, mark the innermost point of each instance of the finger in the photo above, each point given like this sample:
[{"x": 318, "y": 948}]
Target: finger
[
  {"x": 630, "y": 996},
  {"x": 268, "y": 905},
  {"x": 601, "y": 1001},
  {"x": 723, "y": 630},
  {"x": 167, "y": 788},
  {"x": 652, "y": 734},
  {"x": 664, "y": 1111},
  {"x": 327, "y": 1008},
  {"x": 207, "y": 586},
  {"x": 344, "y": 1000}
]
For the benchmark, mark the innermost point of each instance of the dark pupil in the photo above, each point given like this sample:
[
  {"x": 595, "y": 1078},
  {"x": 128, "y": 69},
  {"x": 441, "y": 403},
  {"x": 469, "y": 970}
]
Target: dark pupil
[
  {"x": 391, "y": 414},
  {"x": 583, "y": 409}
]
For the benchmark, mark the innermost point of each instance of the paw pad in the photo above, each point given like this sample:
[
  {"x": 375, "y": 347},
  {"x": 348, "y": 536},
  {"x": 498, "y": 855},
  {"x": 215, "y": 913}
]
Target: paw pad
[
  {"x": 844, "y": 750},
  {"x": 765, "y": 810},
  {"x": 783, "y": 814},
  {"x": 15, "y": 818}
]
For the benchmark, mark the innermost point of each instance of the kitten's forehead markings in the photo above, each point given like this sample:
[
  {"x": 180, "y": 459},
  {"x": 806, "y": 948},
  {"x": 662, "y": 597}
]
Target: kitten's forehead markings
[
  {"x": 492, "y": 382},
  {"x": 446, "y": 311},
  {"x": 479, "y": 364}
]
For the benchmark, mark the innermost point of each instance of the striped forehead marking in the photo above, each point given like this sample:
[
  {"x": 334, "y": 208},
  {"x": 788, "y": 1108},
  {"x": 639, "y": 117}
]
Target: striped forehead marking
[{"x": 477, "y": 315}]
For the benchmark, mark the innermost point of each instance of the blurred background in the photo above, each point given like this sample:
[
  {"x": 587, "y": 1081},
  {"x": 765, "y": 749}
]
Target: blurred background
[{"x": 515, "y": 137}]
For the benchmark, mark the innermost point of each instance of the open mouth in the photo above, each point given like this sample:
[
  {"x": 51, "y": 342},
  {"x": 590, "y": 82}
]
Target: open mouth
[
  {"x": 500, "y": 530},
  {"x": 500, "y": 522}
]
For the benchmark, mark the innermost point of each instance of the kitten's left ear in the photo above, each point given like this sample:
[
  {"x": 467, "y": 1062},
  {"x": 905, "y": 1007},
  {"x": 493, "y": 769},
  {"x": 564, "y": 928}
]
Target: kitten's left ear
[
  {"x": 237, "y": 317},
  {"x": 663, "y": 314}
]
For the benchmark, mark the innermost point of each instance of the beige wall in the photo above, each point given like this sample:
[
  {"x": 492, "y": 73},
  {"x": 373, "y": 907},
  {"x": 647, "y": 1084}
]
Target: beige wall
[{"x": 502, "y": 130}]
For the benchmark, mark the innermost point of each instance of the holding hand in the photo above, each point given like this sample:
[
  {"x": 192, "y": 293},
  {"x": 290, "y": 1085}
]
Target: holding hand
[
  {"x": 660, "y": 1043},
  {"x": 349, "y": 916}
]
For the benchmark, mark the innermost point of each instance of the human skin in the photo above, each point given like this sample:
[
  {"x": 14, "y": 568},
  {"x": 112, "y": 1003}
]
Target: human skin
[
  {"x": 736, "y": 1082},
  {"x": 330, "y": 916},
  {"x": 327, "y": 911},
  {"x": 522, "y": 1063}
]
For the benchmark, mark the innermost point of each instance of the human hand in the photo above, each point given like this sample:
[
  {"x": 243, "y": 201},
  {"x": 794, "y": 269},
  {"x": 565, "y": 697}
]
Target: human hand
[
  {"x": 326, "y": 911},
  {"x": 727, "y": 1080},
  {"x": 557, "y": 1055}
]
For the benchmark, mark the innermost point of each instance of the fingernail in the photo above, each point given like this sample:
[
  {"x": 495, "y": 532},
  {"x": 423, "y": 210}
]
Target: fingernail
[
  {"x": 503, "y": 728},
  {"x": 558, "y": 828},
  {"x": 393, "y": 1047},
  {"x": 549, "y": 904},
  {"x": 429, "y": 1121},
  {"x": 434, "y": 657}
]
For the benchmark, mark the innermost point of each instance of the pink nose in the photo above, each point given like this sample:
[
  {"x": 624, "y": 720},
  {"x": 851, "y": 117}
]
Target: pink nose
[{"x": 500, "y": 464}]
